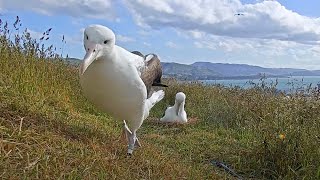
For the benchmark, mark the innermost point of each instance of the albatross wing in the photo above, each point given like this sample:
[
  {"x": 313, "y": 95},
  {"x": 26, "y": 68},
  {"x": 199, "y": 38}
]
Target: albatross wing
[{"x": 150, "y": 70}]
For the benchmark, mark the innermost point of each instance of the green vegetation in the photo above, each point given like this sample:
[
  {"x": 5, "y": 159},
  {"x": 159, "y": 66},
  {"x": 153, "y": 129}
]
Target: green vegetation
[{"x": 48, "y": 130}]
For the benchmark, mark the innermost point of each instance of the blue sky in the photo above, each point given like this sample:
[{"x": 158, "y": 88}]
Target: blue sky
[{"x": 284, "y": 33}]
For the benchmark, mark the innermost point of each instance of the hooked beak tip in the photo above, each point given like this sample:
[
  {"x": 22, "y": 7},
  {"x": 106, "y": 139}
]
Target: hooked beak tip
[{"x": 82, "y": 69}]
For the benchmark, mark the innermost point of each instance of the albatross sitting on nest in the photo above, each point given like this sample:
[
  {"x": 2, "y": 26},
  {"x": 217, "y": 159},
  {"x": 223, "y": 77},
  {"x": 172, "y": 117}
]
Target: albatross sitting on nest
[
  {"x": 176, "y": 113},
  {"x": 118, "y": 81}
]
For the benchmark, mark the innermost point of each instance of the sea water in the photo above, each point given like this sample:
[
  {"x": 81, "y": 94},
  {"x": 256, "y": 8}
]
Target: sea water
[{"x": 282, "y": 83}]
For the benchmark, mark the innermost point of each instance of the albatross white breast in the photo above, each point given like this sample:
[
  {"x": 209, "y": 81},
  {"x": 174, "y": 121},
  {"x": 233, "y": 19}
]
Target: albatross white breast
[
  {"x": 176, "y": 113},
  {"x": 117, "y": 81}
]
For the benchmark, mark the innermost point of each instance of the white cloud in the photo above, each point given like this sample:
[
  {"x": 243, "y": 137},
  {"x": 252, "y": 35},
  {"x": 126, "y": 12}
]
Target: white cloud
[
  {"x": 35, "y": 34},
  {"x": 315, "y": 50},
  {"x": 227, "y": 44},
  {"x": 267, "y": 34},
  {"x": 76, "y": 8},
  {"x": 122, "y": 38},
  {"x": 147, "y": 44},
  {"x": 77, "y": 21},
  {"x": 171, "y": 44},
  {"x": 263, "y": 52},
  {"x": 263, "y": 20},
  {"x": 144, "y": 33},
  {"x": 197, "y": 34}
]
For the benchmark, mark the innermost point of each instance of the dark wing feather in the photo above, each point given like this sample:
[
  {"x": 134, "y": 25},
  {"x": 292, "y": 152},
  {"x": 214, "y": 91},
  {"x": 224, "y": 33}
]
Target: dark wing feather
[
  {"x": 137, "y": 53},
  {"x": 151, "y": 76}
]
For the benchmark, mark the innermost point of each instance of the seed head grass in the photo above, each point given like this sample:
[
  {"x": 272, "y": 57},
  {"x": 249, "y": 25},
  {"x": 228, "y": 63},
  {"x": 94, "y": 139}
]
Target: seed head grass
[{"x": 48, "y": 130}]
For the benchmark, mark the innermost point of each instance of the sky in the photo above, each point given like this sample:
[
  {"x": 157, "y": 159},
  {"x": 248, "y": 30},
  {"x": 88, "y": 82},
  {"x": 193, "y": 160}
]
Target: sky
[{"x": 283, "y": 33}]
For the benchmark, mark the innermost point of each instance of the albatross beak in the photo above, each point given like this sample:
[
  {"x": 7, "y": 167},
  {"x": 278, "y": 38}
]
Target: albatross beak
[
  {"x": 178, "y": 108},
  {"x": 89, "y": 57}
]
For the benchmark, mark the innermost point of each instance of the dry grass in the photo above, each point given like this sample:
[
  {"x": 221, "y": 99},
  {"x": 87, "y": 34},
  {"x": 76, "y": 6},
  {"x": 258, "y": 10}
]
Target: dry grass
[{"x": 48, "y": 130}]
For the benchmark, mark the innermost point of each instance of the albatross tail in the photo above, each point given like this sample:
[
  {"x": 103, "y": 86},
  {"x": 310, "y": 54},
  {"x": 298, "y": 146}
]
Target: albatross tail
[{"x": 154, "y": 99}]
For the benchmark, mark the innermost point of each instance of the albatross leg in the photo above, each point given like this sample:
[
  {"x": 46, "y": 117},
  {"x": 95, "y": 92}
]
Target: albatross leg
[{"x": 133, "y": 141}]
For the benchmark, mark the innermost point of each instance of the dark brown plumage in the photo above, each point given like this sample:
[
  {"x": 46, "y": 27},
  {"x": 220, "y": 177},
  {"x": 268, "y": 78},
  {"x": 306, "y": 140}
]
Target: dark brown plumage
[
  {"x": 151, "y": 76},
  {"x": 137, "y": 53}
]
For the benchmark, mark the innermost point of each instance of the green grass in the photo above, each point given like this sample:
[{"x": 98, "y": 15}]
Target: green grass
[{"x": 48, "y": 130}]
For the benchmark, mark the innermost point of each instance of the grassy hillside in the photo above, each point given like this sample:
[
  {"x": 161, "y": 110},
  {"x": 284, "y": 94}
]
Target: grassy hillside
[{"x": 48, "y": 130}]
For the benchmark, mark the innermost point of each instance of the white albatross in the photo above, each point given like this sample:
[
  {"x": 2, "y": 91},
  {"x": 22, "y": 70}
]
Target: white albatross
[
  {"x": 118, "y": 81},
  {"x": 176, "y": 113}
]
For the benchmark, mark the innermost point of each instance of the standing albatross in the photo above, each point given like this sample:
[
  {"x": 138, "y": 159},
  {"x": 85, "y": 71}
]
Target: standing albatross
[{"x": 117, "y": 81}]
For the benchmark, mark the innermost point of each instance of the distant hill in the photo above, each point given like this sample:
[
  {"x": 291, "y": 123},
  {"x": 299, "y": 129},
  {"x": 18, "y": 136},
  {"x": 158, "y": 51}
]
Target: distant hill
[
  {"x": 213, "y": 71},
  {"x": 183, "y": 71},
  {"x": 244, "y": 69},
  {"x": 73, "y": 61}
]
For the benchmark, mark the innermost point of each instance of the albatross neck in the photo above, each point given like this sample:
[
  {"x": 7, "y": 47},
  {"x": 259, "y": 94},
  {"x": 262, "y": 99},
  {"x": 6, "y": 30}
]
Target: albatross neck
[{"x": 179, "y": 107}]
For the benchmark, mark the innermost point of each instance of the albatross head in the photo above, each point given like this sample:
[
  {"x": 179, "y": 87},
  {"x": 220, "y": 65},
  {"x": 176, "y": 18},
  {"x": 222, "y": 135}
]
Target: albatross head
[
  {"x": 180, "y": 97},
  {"x": 98, "y": 41}
]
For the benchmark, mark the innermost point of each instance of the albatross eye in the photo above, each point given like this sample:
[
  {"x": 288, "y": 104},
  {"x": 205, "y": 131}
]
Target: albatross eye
[
  {"x": 105, "y": 42},
  {"x": 87, "y": 37}
]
